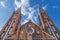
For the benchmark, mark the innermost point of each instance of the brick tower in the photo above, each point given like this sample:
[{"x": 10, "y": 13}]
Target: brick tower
[{"x": 13, "y": 30}]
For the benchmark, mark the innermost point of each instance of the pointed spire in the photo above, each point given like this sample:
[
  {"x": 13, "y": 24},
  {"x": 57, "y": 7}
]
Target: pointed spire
[
  {"x": 18, "y": 18},
  {"x": 29, "y": 19},
  {"x": 18, "y": 10},
  {"x": 40, "y": 11}
]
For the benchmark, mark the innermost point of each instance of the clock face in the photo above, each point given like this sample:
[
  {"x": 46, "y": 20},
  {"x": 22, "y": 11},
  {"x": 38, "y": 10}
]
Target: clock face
[{"x": 29, "y": 30}]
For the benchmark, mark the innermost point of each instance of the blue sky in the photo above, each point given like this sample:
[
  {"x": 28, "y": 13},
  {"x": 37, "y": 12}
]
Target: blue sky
[{"x": 29, "y": 10}]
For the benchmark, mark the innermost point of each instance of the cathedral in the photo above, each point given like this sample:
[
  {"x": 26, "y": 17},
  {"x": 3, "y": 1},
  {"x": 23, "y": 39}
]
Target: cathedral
[{"x": 13, "y": 30}]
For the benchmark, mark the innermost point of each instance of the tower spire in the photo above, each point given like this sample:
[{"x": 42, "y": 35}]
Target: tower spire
[
  {"x": 16, "y": 20},
  {"x": 47, "y": 24},
  {"x": 12, "y": 24},
  {"x": 40, "y": 13}
]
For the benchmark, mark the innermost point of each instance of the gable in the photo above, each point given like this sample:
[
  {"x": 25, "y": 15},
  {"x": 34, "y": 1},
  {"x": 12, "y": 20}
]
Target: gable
[{"x": 30, "y": 24}]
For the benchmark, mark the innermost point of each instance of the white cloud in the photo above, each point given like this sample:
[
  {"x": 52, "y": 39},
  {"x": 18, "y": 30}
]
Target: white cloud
[
  {"x": 45, "y": 7},
  {"x": 24, "y": 22},
  {"x": 25, "y": 9},
  {"x": 35, "y": 18},
  {"x": 30, "y": 16},
  {"x": 25, "y": 3},
  {"x": 55, "y": 7},
  {"x": 32, "y": 10},
  {"x": 18, "y": 4},
  {"x": 2, "y": 3}
]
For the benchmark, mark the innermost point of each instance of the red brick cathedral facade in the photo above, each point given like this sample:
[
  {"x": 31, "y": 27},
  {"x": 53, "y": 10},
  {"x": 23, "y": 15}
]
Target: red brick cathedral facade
[{"x": 13, "y": 30}]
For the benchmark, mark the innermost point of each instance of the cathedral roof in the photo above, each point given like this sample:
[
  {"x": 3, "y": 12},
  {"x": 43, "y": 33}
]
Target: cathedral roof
[{"x": 30, "y": 21}]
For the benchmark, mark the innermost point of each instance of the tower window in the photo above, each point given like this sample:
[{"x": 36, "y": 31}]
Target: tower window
[
  {"x": 49, "y": 30},
  {"x": 53, "y": 28},
  {"x": 14, "y": 17},
  {"x": 57, "y": 35},
  {"x": 47, "y": 24},
  {"x": 45, "y": 16}
]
